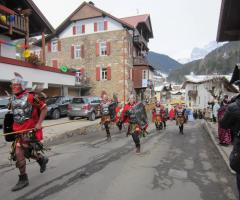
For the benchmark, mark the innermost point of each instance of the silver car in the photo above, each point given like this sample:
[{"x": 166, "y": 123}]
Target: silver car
[
  {"x": 3, "y": 108},
  {"x": 85, "y": 106}
]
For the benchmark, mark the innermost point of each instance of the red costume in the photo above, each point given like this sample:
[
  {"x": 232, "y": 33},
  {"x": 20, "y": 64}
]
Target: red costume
[{"x": 37, "y": 105}]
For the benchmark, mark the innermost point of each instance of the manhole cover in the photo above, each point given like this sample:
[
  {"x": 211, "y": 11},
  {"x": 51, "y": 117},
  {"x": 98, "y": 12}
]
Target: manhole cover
[{"x": 177, "y": 174}]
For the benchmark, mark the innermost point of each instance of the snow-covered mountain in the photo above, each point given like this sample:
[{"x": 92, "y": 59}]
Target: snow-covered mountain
[{"x": 200, "y": 52}]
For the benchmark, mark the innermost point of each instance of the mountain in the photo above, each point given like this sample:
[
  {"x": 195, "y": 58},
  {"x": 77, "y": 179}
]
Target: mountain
[
  {"x": 162, "y": 62},
  {"x": 199, "y": 53},
  {"x": 220, "y": 61}
]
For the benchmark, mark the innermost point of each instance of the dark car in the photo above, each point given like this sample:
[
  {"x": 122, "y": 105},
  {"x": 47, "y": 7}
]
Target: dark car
[
  {"x": 4, "y": 101},
  {"x": 57, "y": 106},
  {"x": 85, "y": 106}
]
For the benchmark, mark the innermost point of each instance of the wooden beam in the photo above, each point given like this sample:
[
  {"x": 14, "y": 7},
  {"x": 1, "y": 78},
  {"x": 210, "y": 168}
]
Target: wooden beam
[{"x": 43, "y": 48}]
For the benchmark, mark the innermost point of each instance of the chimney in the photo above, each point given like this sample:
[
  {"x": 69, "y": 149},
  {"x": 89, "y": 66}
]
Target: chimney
[{"x": 90, "y": 2}]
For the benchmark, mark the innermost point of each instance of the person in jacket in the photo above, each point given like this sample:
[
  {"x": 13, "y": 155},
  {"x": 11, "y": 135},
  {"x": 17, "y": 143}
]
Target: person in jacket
[
  {"x": 28, "y": 111},
  {"x": 129, "y": 116},
  {"x": 105, "y": 112},
  {"x": 224, "y": 135},
  {"x": 231, "y": 121}
]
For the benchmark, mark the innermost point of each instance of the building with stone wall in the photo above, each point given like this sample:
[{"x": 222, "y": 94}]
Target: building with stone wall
[{"x": 100, "y": 46}]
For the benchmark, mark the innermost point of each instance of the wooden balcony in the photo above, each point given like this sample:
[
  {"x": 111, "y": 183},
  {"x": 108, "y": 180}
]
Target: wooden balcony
[
  {"x": 140, "y": 61},
  {"x": 139, "y": 39},
  {"x": 18, "y": 25}
]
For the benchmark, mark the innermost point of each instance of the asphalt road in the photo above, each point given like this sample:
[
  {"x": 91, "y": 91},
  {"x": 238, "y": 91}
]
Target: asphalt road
[{"x": 170, "y": 167}]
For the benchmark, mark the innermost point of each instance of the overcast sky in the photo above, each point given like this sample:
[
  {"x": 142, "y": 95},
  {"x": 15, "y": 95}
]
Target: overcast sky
[{"x": 178, "y": 25}]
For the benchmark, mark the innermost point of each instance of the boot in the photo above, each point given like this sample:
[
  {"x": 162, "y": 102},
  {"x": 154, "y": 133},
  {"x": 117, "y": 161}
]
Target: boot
[
  {"x": 42, "y": 163},
  {"x": 138, "y": 150},
  {"x": 22, "y": 182}
]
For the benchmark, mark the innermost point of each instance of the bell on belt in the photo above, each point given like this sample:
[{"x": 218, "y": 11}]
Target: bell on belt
[{"x": 8, "y": 127}]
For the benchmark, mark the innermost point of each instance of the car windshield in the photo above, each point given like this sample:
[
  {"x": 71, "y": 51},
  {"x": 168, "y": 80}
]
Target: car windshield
[
  {"x": 79, "y": 100},
  {"x": 51, "y": 100},
  {"x": 3, "y": 103}
]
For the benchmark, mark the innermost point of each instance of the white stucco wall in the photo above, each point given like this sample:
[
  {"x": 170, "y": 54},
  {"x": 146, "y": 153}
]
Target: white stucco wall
[
  {"x": 35, "y": 76},
  {"x": 89, "y": 26},
  {"x": 6, "y": 50}
]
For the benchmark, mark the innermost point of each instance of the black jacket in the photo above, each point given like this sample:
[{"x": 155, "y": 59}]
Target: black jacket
[{"x": 231, "y": 120}]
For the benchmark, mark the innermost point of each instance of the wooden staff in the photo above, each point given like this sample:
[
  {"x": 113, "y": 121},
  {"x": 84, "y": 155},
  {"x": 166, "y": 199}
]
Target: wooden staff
[{"x": 31, "y": 129}]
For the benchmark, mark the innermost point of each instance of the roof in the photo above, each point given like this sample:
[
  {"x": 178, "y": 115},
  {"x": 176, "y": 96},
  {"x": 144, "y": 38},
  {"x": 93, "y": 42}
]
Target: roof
[
  {"x": 71, "y": 19},
  {"x": 203, "y": 78},
  {"x": 199, "y": 79},
  {"x": 138, "y": 19},
  {"x": 229, "y": 21},
  {"x": 37, "y": 21},
  {"x": 135, "y": 20}
]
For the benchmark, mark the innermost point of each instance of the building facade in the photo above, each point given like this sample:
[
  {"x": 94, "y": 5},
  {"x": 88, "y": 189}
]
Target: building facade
[
  {"x": 201, "y": 90},
  {"x": 100, "y": 46}
]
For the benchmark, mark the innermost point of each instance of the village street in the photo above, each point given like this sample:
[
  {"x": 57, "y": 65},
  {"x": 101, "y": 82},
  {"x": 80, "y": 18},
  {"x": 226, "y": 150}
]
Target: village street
[{"x": 171, "y": 166}]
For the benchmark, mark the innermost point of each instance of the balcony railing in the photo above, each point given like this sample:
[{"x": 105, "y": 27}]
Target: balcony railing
[
  {"x": 140, "y": 61},
  {"x": 140, "y": 39},
  {"x": 82, "y": 81},
  {"x": 13, "y": 21}
]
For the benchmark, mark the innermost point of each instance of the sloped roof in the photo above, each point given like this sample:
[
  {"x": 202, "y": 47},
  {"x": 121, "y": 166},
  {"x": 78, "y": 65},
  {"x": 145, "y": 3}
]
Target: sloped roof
[
  {"x": 204, "y": 78},
  {"x": 136, "y": 20},
  {"x": 76, "y": 15},
  {"x": 199, "y": 79}
]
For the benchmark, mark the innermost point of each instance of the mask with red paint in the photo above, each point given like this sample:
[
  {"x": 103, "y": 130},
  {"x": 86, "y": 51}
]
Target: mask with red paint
[{"x": 18, "y": 84}]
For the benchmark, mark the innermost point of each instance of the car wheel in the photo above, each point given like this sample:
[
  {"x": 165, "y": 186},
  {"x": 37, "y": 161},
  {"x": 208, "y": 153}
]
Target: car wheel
[
  {"x": 56, "y": 114},
  {"x": 71, "y": 118},
  {"x": 92, "y": 116}
]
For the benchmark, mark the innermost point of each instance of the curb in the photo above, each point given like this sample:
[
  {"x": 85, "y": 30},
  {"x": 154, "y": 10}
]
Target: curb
[
  {"x": 63, "y": 137},
  {"x": 223, "y": 153}
]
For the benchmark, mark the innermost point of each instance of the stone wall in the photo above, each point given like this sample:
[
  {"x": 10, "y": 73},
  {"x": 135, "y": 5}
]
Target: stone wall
[{"x": 119, "y": 40}]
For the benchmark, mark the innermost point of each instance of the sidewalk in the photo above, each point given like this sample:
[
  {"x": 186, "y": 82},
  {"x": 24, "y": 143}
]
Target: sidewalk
[{"x": 212, "y": 129}]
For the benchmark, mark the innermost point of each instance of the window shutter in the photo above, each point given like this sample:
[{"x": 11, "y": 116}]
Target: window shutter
[
  {"x": 49, "y": 46},
  {"x": 97, "y": 73},
  {"x": 83, "y": 28},
  {"x": 59, "y": 45},
  {"x": 95, "y": 27},
  {"x": 72, "y": 52},
  {"x": 82, "y": 71},
  {"x": 74, "y": 30},
  {"x": 105, "y": 25},
  {"x": 108, "y": 48},
  {"x": 97, "y": 49},
  {"x": 82, "y": 51},
  {"x": 108, "y": 73}
]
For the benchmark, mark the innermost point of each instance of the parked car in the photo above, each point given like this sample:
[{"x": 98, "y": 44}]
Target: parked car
[
  {"x": 57, "y": 106},
  {"x": 3, "y": 108},
  {"x": 85, "y": 106}
]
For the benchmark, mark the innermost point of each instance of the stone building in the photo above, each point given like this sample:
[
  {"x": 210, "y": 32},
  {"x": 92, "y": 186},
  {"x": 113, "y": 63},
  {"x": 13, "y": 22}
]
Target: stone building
[{"x": 100, "y": 46}]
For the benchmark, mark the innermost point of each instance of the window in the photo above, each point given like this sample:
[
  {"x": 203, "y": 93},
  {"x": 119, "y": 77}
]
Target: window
[
  {"x": 77, "y": 52},
  {"x": 104, "y": 74},
  {"x": 103, "y": 48},
  {"x": 100, "y": 26},
  {"x": 80, "y": 29},
  {"x": 54, "y": 46},
  {"x": 144, "y": 74}
]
